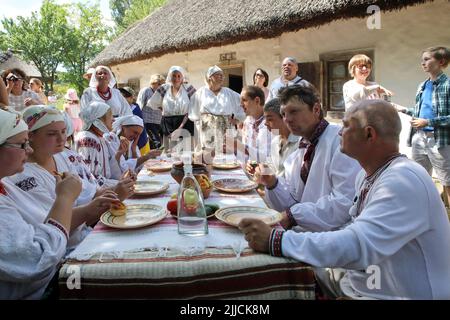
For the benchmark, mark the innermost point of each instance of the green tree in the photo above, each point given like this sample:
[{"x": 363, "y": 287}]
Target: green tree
[
  {"x": 3, "y": 41},
  {"x": 127, "y": 12},
  {"x": 41, "y": 38},
  {"x": 88, "y": 37},
  {"x": 118, "y": 9}
]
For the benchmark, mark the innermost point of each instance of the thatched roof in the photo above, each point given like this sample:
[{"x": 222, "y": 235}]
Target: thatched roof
[
  {"x": 184, "y": 25},
  {"x": 8, "y": 61}
]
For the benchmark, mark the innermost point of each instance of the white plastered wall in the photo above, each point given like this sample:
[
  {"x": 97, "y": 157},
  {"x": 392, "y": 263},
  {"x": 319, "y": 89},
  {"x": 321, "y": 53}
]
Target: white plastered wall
[{"x": 397, "y": 46}]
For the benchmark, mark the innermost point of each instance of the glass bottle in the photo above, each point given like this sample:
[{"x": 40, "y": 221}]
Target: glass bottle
[{"x": 191, "y": 209}]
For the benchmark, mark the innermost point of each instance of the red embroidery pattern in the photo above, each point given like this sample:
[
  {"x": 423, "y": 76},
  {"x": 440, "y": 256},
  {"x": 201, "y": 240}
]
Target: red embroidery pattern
[
  {"x": 59, "y": 226},
  {"x": 3, "y": 190},
  {"x": 89, "y": 143},
  {"x": 31, "y": 120}
]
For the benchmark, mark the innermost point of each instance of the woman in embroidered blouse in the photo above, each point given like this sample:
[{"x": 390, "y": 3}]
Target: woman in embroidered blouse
[
  {"x": 359, "y": 88},
  {"x": 101, "y": 88},
  {"x": 215, "y": 109},
  {"x": 30, "y": 251},
  {"x": 173, "y": 98},
  {"x": 47, "y": 132},
  {"x": 96, "y": 145},
  {"x": 131, "y": 127},
  {"x": 19, "y": 96}
]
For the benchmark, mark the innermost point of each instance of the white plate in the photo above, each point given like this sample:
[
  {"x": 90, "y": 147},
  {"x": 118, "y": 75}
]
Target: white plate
[
  {"x": 234, "y": 185},
  {"x": 234, "y": 215},
  {"x": 159, "y": 165},
  {"x": 137, "y": 216},
  {"x": 148, "y": 188},
  {"x": 223, "y": 161}
]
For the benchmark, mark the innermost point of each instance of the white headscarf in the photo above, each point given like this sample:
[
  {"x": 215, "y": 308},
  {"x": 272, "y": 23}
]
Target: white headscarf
[
  {"x": 69, "y": 124},
  {"x": 172, "y": 70},
  {"x": 94, "y": 83},
  {"x": 130, "y": 120},
  {"x": 92, "y": 114},
  {"x": 39, "y": 116},
  {"x": 11, "y": 123},
  {"x": 212, "y": 70}
]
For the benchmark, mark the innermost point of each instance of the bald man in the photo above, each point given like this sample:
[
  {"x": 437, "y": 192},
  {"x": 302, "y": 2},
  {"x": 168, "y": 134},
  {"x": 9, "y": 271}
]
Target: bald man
[
  {"x": 397, "y": 245},
  {"x": 289, "y": 77}
]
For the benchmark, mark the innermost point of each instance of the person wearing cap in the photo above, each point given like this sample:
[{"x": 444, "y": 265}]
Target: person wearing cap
[
  {"x": 19, "y": 97},
  {"x": 215, "y": 109},
  {"x": 101, "y": 157},
  {"x": 101, "y": 88},
  {"x": 152, "y": 117},
  {"x": 131, "y": 127},
  {"x": 289, "y": 77},
  {"x": 173, "y": 99},
  {"x": 47, "y": 133},
  {"x": 143, "y": 142},
  {"x": 30, "y": 250},
  {"x": 72, "y": 107}
]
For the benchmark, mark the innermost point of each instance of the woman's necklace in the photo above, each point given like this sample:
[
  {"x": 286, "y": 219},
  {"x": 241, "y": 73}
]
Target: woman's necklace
[{"x": 105, "y": 95}]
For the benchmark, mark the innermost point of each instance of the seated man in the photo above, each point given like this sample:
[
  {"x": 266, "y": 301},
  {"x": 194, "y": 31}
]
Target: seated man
[
  {"x": 397, "y": 245},
  {"x": 283, "y": 142},
  {"x": 318, "y": 186}
]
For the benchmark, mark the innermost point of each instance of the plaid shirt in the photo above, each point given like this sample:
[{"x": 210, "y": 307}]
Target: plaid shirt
[
  {"x": 148, "y": 114},
  {"x": 441, "y": 108}
]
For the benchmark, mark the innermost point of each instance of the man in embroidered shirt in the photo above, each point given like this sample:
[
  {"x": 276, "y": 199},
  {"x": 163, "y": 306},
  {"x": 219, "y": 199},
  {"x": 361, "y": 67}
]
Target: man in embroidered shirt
[
  {"x": 289, "y": 77},
  {"x": 318, "y": 186},
  {"x": 255, "y": 136},
  {"x": 397, "y": 245},
  {"x": 283, "y": 141},
  {"x": 430, "y": 126}
]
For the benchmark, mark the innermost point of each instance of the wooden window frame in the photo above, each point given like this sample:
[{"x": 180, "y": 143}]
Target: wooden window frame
[{"x": 338, "y": 56}]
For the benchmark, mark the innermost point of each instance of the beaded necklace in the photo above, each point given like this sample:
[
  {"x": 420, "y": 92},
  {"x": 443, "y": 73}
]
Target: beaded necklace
[{"x": 105, "y": 96}]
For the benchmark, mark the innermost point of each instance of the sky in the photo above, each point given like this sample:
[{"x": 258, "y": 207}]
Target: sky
[{"x": 14, "y": 8}]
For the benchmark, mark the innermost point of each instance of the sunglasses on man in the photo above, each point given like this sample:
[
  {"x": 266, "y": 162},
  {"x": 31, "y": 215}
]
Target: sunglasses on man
[{"x": 13, "y": 79}]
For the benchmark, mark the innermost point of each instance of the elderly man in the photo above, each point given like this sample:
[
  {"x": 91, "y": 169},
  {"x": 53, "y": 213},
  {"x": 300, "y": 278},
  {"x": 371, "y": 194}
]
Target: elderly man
[
  {"x": 318, "y": 187},
  {"x": 397, "y": 245},
  {"x": 152, "y": 118},
  {"x": 289, "y": 77}
]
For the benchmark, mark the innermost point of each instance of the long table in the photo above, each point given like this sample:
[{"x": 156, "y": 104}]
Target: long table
[{"x": 219, "y": 266}]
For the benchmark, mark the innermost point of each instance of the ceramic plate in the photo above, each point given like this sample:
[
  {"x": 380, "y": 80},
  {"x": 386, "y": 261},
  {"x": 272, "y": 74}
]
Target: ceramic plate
[
  {"x": 234, "y": 185},
  {"x": 148, "y": 188},
  {"x": 226, "y": 166},
  {"x": 234, "y": 215},
  {"x": 138, "y": 215},
  {"x": 225, "y": 162},
  {"x": 159, "y": 165}
]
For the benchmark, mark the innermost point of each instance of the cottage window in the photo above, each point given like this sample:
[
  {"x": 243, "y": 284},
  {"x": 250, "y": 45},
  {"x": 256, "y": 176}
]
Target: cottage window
[{"x": 336, "y": 74}]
